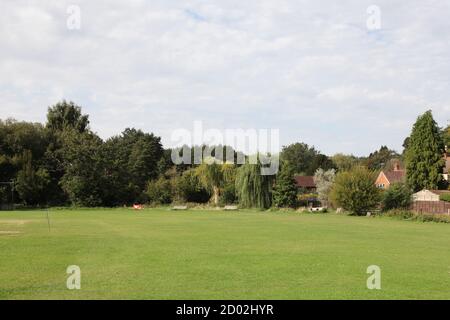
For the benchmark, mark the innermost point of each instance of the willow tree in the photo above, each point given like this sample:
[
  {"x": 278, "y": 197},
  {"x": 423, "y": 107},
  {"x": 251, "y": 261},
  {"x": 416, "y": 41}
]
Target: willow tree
[{"x": 253, "y": 189}]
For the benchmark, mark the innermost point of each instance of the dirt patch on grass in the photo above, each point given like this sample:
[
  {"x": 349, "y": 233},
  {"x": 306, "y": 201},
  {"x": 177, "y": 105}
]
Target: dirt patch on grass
[
  {"x": 9, "y": 233},
  {"x": 14, "y": 222}
]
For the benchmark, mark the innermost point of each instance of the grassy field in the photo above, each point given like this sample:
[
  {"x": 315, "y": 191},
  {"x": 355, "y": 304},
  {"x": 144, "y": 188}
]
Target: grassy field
[{"x": 161, "y": 254}]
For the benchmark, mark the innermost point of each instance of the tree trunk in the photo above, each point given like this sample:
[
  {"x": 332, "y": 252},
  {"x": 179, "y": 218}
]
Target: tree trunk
[{"x": 216, "y": 195}]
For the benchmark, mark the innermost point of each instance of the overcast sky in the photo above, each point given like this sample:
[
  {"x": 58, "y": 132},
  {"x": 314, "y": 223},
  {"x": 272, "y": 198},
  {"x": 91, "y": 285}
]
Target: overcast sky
[{"x": 312, "y": 69}]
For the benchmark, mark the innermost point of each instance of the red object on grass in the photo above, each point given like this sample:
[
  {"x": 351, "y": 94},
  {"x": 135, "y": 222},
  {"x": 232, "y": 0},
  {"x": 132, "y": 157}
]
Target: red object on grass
[{"x": 137, "y": 206}]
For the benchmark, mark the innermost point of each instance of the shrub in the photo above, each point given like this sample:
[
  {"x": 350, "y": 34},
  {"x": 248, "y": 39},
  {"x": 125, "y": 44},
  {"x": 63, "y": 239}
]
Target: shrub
[
  {"x": 445, "y": 197},
  {"x": 160, "y": 191},
  {"x": 324, "y": 181},
  {"x": 228, "y": 195},
  {"x": 399, "y": 213},
  {"x": 189, "y": 188},
  {"x": 413, "y": 216},
  {"x": 399, "y": 195},
  {"x": 306, "y": 199},
  {"x": 355, "y": 190}
]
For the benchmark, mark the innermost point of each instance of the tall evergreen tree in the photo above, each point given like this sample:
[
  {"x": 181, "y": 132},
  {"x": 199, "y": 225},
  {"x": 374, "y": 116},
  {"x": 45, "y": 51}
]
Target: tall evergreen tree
[
  {"x": 284, "y": 194},
  {"x": 424, "y": 161}
]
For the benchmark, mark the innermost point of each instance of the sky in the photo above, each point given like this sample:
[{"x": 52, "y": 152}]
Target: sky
[{"x": 334, "y": 75}]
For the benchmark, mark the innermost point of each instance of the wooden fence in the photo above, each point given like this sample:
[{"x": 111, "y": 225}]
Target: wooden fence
[{"x": 434, "y": 207}]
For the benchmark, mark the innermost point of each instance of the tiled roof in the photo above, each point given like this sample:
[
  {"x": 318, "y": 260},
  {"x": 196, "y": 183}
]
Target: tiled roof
[
  {"x": 395, "y": 176},
  {"x": 447, "y": 163},
  {"x": 305, "y": 181}
]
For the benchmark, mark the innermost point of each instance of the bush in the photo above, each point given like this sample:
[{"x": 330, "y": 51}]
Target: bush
[
  {"x": 160, "y": 191},
  {"x": 355, "y": 190},
  {"x": 399, "y": 195},
  {"x": 398, "y": 213},
  {"x": 413, "y": 216},
  {"x": 445, "y": 197},
  {"x": 228, "y": 195},
  {"x": 307, "y": 199},
  {"x": 188, "y": 188}
]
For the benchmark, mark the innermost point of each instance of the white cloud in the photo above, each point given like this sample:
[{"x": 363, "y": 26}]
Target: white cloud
[{"x": 312, "y": 70}]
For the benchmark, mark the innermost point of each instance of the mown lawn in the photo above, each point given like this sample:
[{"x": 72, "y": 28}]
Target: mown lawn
[{"x": 161, "y": 254}]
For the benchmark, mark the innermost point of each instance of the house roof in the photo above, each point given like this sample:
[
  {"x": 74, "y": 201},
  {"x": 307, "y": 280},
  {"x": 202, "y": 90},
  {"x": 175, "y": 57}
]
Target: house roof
[
  {"x": 395, "y": 176},
  {"x": 447, "y": 163},
  {"x": 305, "y": 181}
]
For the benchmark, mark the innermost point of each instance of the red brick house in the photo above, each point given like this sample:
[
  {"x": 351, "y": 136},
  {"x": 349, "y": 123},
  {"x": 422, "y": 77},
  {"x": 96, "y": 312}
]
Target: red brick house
[
  {"x": 386, "y": 178},
  {"x": 447, "y": 166},
  {"x": 306, "y": 183}
]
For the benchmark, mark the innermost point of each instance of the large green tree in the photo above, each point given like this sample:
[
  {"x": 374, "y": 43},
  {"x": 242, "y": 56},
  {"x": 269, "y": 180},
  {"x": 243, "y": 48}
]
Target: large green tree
[
  {"x": 22, "y": 149},
  {"x": 65, "y": 115},
  {"x": 84, "y": 168},
  {"x": 344, "y": 162},
  {"x": 424, "y": 155},
  {"x": 355, "y": 190},
  {"x": 133, "y": 160},
  {"x": 304, "y": 159},
  {"x": 31, "y": 184},
  {"x": 380, "y": 158}
]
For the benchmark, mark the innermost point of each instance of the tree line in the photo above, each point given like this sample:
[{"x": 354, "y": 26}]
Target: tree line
[{"x": 64, "y": 162}]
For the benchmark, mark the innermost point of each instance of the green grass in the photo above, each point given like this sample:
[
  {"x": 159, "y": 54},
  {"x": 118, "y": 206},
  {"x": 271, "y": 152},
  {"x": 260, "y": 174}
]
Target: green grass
[{"x": 161, "y": 254}]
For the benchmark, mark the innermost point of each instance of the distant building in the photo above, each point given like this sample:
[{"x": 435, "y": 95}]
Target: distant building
[
  {"x": 386, "y": 178},
  {"x": 447, "y": 165},
  {"x": 306, "y": 183},
  {"x": 429, "y": 195}
]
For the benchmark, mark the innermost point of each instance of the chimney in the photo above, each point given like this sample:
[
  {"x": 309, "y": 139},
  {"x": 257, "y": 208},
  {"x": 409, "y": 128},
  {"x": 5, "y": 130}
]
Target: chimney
[{"x": 396, "y": 166}]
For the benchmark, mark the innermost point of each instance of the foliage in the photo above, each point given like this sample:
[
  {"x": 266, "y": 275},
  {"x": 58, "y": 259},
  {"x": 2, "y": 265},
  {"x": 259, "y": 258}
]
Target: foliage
[
  {"x": 253, "y": 189},
  {"x": 229, "y": 194},
  {"x": 446, "y": 136},
  {"x": 307, "y": 199},
  {"x": 84, "y": 177},
  {"x": 188, "y": 188},
  {"x": 444, "y": 197},
  {"x": 413, "y": 216},
  {"x": 380, "y": 158},
  {"x": 160, "y": 191},
  {"x": 229, "y": 188},
  {"x": 398, "y": 196},
  {"x": 344, "y": 162},
  {"x": 211, "y": 177},
  {"x": 66, "y": 115},
  {"x": 284, "y": 193},
  {"x": 133, "y": 159},
  {"x": 304, "y": 159},
  {"x": 355, "y": 190},
  {"x": 424, "y": 161},
  {"x": 324, "y": 182},
  {"x": 31, "y": 184}
]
